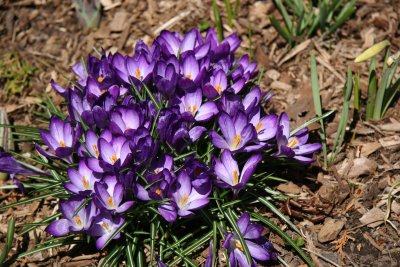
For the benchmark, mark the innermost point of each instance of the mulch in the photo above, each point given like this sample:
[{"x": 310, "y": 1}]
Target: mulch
[{"x": 340, "y": 210}]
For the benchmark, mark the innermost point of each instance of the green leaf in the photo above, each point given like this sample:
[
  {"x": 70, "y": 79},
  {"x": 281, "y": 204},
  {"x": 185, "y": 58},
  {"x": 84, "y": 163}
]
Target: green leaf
[
  {"x": 327, "y": 114},
  {"x": 284, "y": 236},
  {"x": 28, "y": 200},
  {"x": 119, "y": 229},
  {"x": 114, "y": 253},
  {"x": 218, "y": 21},
  {"x": 283, "y": 32},
  {"x": 9, "y": 240},
  {"x": 317, "y": 104},
  {"x": 49, "y": 246}
]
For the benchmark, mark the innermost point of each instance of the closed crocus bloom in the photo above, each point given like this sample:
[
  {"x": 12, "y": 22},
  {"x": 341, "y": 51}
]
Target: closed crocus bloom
[
  {"x": 258, "y": 249},
  {"x": 191, "y": 72},
  {"x": 228, "y": 173},
  {"x": 61, "y": 138},
  {"x": 82, "y": 180},
  {"x": 125, "y": 120},
  {"x": 79, "y": 222},
  {"x": 294, "y": 146},
  {"x": 166, "y": 77}
]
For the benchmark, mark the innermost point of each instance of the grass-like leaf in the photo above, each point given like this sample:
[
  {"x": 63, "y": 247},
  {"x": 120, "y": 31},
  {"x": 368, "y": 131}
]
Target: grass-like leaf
[
  {"x": 327, "y": 114},
  {"x": 9, "y": 240},
  {"x": 218, "y": 22},
  {"x": 49, "y": 246},
  {"x": 31, "y": 199},
  {"x": 317, "y": 104},
  {"x": 284, "y": 236}
]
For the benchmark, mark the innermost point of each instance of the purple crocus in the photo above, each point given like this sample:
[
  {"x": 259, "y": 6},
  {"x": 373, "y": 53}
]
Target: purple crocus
[
  {"x": 82, "y": 180},
  {"x": 73, "y": 223},
  {"x": 166, "y": 76},
  {"x": 104, "y": 226},
  {"x": 228, "y": 173},
  {"x": 217, "y": 85},
  {"x": 191, "y": 72},
  {"x": 139, "y": 69},
  {"x": 115, "y": 153},
  {"x": 8, "y": 164},
  {"x": 109, "y": 195},
  {"x": 125, "y": 120},
  {"x": 61, "y": 138},
  {"x": 186, "y": 198},
  {"x": 294, "y": 146},
  {"x": 191, "y": 106},
  {"x": 254, "y": 241},
  {"x": 174, "y": 44},
  {"x": 238, "y": 132}
]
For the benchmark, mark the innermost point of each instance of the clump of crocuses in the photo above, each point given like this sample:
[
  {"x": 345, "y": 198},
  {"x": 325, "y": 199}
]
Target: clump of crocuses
[{"x": 165, "y": 131}]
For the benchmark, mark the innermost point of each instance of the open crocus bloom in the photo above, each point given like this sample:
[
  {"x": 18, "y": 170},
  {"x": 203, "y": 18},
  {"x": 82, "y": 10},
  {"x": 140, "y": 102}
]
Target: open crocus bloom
[
  {"x": 114, "y": 153},
  {"x": 109, "y": 195},
  {"x": 228, "y": 174},
  {"x": 186, "y": 198},
  {"x": 73, "y": 223},
  {"x": 81, "y": 181},
  {"x": 218, "y": 84},
  {"x": 139, "y": 69},
  {"x": 237, "y": 132},
  {"x": 124, "y": 119},
  {"x": 191, "y": 105},
  {"x": 104, "y": 226},
  {"x": 294, "y": 146},
  {"x": 257, "y": 246}
]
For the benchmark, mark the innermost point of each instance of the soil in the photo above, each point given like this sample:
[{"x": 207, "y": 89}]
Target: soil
[{"x": 48, "y": 36}]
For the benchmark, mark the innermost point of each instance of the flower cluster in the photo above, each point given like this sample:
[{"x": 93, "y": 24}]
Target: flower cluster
[{"x": 164, "y": 128}]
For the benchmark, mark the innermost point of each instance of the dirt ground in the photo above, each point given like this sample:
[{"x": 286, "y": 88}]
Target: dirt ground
[{"x": 340, "y": 209}]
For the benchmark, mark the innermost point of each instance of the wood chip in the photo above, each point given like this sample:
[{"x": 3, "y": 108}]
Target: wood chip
[
  {"x": 118, "y": 22},
  {"x": 295, "y": 51},
  {"x": 330, "y": 230},
  {"x": 281, "y": 86},
  {"x": 373, "y": 218},
  {"x": 390, "y": 127},
  {"x": 369, "y": 148},
  {"x": 289, "y": 188},
  {"x": 273, "y": 74},
  {"x": 390, "y": 141},
  {"x": 330, "y": 68}
]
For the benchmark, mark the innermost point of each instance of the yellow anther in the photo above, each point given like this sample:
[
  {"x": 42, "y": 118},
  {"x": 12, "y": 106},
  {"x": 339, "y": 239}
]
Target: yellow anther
[
  {"x": 189, "y": 76},
  {"x": 114, "y": 158},
  {"x": 158, "y": 191},
  {"x": 110, "y": 202},
  {"x": 85, "y": 183},
  {"x": 235, "y": 177},
  {"x": 96, "y": 151},
  {"x": 236, "y": 141},
  {"x": 105, "y": 226},
  {"x": 258, "y": 126},
  {"x": 100, "y": 79},
  {"x": 218, "y": 88},
  {"x": 77, "y": 219},
  {"x": 193, "y": 109},
  {"x": 137, "y": 74},
  {"x": 293, "y": 142},
  {"x": 184, "y": 200},
  {"x": 62, "y": 144},
  {"x": 238, "y": 245}
]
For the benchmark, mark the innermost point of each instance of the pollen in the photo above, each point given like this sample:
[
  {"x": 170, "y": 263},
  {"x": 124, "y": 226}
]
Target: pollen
[
  {"x": 218, "y": 88},
  {"x": 137, "y": 74},
  {"x": 238, "y": 245},
  {"x": 78, "y": 221},
  {"x": 96, "y": 150},
  {"x": 258, "y": 126},
  {"x": 193, "y": 109},
  {"x": 62, "y": 144},
  {"x": 235, "y": 177},
  {"x": 85, "y": 183},
  {"x": 236, "y": 141},
  {"x": 105, "y": 226},
  {"x": 293, "y": 142},
  {"x": 158, "y": 191},
  {"x": 100, "y": 79},
  {"x": 189, "y": 76},
  {"x": 110, "y": 202},
  {"x": 114, "y": 158},
  {"x": 184, "y": 200},
  {"x": 103, "y": 91}
]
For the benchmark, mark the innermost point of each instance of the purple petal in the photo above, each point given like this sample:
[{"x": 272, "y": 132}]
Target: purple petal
[
  {"x": 257, "y": 251},
  {"x": 307, "y": 149},
  {"x": 227, "y": 127},
  {"x": 168, "y": 212},
  {"x": 249, "y": 167},
  {"x": 217, "y": 140},
  {"x": 58, "y": 228},
  {"x": 243, "y": 222},
  {"x": 206, "y": 111},
  {"x": 196, "y": 132}
]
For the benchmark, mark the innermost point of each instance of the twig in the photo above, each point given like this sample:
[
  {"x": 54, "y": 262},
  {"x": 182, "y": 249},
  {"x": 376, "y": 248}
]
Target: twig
[
  {"x": 322, "y": 257},
  {"x": 169, "y": 23}
]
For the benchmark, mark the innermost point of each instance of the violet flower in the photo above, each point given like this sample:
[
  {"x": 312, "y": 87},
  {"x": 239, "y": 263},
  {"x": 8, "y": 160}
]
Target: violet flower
[
  {"x": 10, "y": 165},
  {"x": 191, "y": 107},
  {"x": 104, "y": 226},
  {"x": 82, "y": 180},
  {"x": 192, "y": 72},
  {"x": 166, "y": 76},
  {"x": 228, "y": 173},
  {"x": 294, "y": 146},
  {"x": 185, "y": 197},
  {"x": 252, "y": 235},
  {"x": 73, "y": 223},
  {"x": 217, "y": 85},
  {"x": 238, "y": 132},
  {"x": 139, "y": 69},
  {"x": 109, "y": 195},
  {"x": 126, "y": 120},
  {"x": 61, "y": 138},
  {"x": 115, "y": 153}
]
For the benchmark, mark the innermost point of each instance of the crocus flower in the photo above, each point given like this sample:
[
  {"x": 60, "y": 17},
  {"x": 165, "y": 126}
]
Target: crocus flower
[
  {"x": 294, "y": 146},
  {"x": 228, "y": 173},
  {"x": 191, "y": 106},
  {"x": 73, "y": 223},
  {"x": 173, "y": 44},
  {"x": 115, "y": 153},
  {"x": 166, "y": 76},
  {"x": 104, "y": 226},
  {"x": 82, "y": 180},
  {"x": 217, "y": 85},
  {"x": 126, "y": 120},
  {"x": 252, "y": 235},
  {"x": 238, "y": 132},
  {"x": 186, "y": 198},
  {"x": 192, "y": 72},
  {"x": 61, "y": 138},
  {"x": 109, "y": 195},
  {"x": 10, "y": 165},
  {"x": 139, "y": 69}
]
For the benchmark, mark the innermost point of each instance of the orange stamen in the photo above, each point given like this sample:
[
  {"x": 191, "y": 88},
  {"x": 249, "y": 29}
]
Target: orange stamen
[
  {"x": 236, "y": 141},
  {"x": 85, "y": 183},
  {"x": 184, "y": 200},
  {"x": 77, "y": 219},
  {"x": 158, "y": 191},
  {"x": 96, "y": 150},
  {"x": 137, "y": 74},
  {"x": 238, "y": 245},
  {"x": 100, "y": 79},
  {"x": 235, "y": 177},
  {"x": 293, "y": 142},
  {"x": 104, "y": 225},
  {"x": 219, "y": 89},
  {"x": 114, "y": 158},
  {"x": 110, "y": 202},
  {"x": 258, "y": 126},
  {"x": 189, "y": 76},
  {"x": 62, "y": 144}
]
